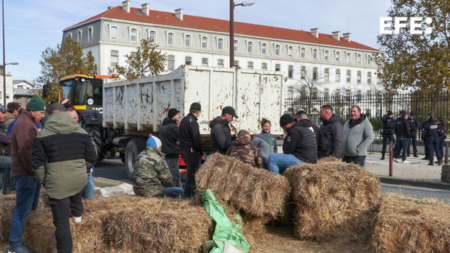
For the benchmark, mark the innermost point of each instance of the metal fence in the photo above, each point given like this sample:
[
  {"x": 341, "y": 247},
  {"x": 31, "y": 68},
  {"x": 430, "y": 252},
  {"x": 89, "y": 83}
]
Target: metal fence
[{"x": 374, "y": 106}]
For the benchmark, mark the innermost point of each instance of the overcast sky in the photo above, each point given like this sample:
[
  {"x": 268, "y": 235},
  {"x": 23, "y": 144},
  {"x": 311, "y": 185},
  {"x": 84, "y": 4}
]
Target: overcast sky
[{"x": 33, "y": 25}]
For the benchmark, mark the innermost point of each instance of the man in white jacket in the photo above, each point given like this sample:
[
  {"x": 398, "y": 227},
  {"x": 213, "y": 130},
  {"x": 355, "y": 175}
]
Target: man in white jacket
[{"x": 358, "y": 135}]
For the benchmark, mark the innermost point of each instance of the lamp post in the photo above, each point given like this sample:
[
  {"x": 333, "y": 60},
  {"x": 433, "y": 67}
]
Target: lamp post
[{"x": 232, "y": 5}]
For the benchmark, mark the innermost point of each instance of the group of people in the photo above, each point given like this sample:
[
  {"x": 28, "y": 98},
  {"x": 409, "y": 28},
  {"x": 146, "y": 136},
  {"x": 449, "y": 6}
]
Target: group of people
[
  {"x": 405, "y": 129},
  {"x": 58, "y": 155}
]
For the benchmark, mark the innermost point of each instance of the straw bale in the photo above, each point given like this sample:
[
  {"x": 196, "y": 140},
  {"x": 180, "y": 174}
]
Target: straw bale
[
  {"x": 258, "y": 192},
  {"x": 8, "y": 202},
  {"x": 333, "y": 200},
  {"x": 406, "y": 224},
  {"x": 328, "y": 159}
]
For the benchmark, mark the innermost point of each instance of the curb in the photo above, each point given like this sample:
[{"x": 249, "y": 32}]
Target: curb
[{"x": 415, "y": 183}]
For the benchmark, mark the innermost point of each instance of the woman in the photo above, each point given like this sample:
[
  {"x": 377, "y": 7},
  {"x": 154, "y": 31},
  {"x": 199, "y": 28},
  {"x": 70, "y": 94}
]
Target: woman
[{"x": 265, "y": 141}]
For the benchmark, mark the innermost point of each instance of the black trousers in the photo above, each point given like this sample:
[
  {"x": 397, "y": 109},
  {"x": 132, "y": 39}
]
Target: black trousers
[
  {"x": 413, "y": 142},
  {"x": 61, "y": 209},
  {"x": 192, "y": 164},
  {"x": 386, "y": 138}
]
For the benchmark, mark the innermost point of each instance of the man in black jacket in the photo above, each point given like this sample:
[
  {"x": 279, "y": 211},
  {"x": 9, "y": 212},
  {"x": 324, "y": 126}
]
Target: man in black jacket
[
  {"x": 430, "y": 135},
  {"x": 303, "y": 120},
  {"x": 168, "y": 133},
  {"x": 299, "y": 146},
  {"x": 403, "y": 133},
  {"x": 5, "y": 153},
  {"x": 221, "y": 132},
  {"x": 388, "y": 131},
  {"x": 413, "y": 125},
  {"x": 191, "y": 146},
  {"x": 332, "y": 132}
]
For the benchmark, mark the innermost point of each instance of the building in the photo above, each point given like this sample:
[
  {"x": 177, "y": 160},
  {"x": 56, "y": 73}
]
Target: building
[
  {"x": 22, "y": 91},
  {"x": 333, "y": 63},
  {"x": 9, "y": 87}
]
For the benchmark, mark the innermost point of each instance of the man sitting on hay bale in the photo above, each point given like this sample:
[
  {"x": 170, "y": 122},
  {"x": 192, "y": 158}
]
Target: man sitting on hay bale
[
  {"x": 299, "y": 146},
  {"x": 151, "y": 175},
  {"x": 245, "y": 151}
]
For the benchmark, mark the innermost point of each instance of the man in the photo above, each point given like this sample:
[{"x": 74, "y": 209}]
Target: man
[
  {"x": 422, "y": 126},
  {"x": 151, "y": 176},
  {"x": 168, "y": 133},
  {"x": 430, "y": 136},
  {"x": 413, "y": 125},
  {"x": 191, "y": 146},
  {"x": 304, "y": 121},
  {"x": 27, "y": 184},
  {"x": 442, "y": 135},
  {"x": 245, "y": 151},
  {"x": 358, "y": 135},
  {"x": 60, "y": 154},
  {"x": 299, "y": 112},
  {"x": 12, "y": 113},
  {"x": 5, "y": 153},
  {"x": 402, "y": 132},
  {"x": 388, "y": 131},
  {"x": 299, "y": 146},
  {"x": 221, "y": 132},
  {"x": 331, "y": 130}
]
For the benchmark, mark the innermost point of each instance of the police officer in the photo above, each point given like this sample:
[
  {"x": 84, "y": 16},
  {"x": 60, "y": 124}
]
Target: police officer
[
  {"x": 5, "y": 153},
  {"x": 413, "y": 125},
  {"x": 431, "y": 137},
  {"x": 402, "y": 132},
  {"x": 388, "y": 131},
  {"x": 442, "y": 135}
]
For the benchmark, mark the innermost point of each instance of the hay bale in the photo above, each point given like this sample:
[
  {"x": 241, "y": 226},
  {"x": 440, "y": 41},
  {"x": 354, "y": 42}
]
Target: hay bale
[
  {"x": 407, "y": 224},
  {"x": 160, "y": 225},
  {"x": 8, "y": 202},
  {"x": 333, "y": 200},
  {"x": 328, "y": 159},
  {"x": 258, "y": 192}
]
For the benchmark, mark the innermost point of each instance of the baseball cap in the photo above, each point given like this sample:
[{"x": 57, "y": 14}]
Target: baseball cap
[
  {"x": 300, "y": 110},
  {"x": 154, "y": 142},
  {"x": 3, "y": 109},
  {"x": 389, "y": 112},
  {"x": 286, "y": 119},
  {"x": 441, "y": 119},
  {"x": 230, "y": 110}
]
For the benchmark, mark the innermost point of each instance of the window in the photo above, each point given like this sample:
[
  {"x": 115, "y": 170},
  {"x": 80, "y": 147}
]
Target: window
[
  {"x": 264, "y": 66},
  {"x": 152, "y": 36},
  {"x": 326, "y": 94},
  {"x": 90, "y": 33},
  {"x": 220, "y": 44},
  {"x": 114, "y": 58},
  {"x": 249, "y": 47},
  {"x": 277, "y": 67},
  {"x": 235, "y": 46},
  {"x": 303, "y": 72},
  {"x": 349, "y": 76},
  {"x": 250, "y": 65},
  {"x": 326, "y": 55},
  {"x": 290, "y": 51},
  {"x": 315, "y": 74},
  {"x": 205, "y": 61},
  {"x": 113, "y": 33},
  {"x": 69, "y": 35},
  {"x": 338, "y": 55},
  {"x": 338, "y": 76},
  {"x": 236, "y": 63},
  {"x": 204, "y": 42},
  {"x": 290, "y": 71},
  {"x": 263, "y": 48},
  {"x": 171, "y": 62},
  {"x": 369, "y": 78},
  {"x": 170, "y": 39},
  {"x": 133, "y": 35},
  {"x": 315, "y": 53},
  {"x": 358, "y": 58},
  {"x": 326, "y": 75},
  {"x": 277, "y": 49},
  {"x": 369, "y": 59},
  {"x": 302, "y": 52},
  {"x": 358, "y": 77},
  {"x": 347, "y": 59},
  {"x": 188, "y": 60},
  {"x": 79, "y": 36},
  {"x": 220, "y": 63},
  {"x": 188, "y": 40}
]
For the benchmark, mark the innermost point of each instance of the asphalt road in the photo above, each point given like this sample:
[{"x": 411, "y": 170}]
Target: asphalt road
[{"x": 114, "y": 169}]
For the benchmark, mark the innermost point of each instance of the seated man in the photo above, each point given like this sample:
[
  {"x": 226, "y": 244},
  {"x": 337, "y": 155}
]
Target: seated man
[
  {"x": 151, "y": 175},
  {"x": 245, "y": 151},
  {"x": 299, "y": 146}
]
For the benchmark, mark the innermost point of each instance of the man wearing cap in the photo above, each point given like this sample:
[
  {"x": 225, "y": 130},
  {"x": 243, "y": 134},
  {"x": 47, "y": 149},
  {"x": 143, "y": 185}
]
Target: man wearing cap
[
  {"x": 442, "y": 135},
  {"x": 151, "y": 176},
  {"x": 61, "y": 152},
  {"x": 168, "y": 133},
  {"x": 402, "y": 132},
  {"x": 413, "y": 125},
  {"x": 332, "y": 132},
  {"x": 191, "y": 146},
  {"x": 5, "y": 152},
  {"x": 221, "y": 132},
  {"x": 27, "y": 184},
  {"x": 299, "y": 146},
  {"x": 298, "y": 114},
  {"x": 430, "y": 136},
  {"x": 387, "y": 131}
]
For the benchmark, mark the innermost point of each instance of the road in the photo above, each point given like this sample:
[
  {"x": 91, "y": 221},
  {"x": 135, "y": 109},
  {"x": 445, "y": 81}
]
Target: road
[{"x": 114, "y": 169}]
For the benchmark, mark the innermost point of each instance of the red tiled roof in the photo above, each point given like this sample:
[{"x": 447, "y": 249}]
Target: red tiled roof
[{"x": 210, "y": 24}]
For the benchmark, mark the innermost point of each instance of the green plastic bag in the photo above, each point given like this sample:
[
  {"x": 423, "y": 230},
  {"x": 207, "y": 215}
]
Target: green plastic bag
[{"x": 227, "y": 237}]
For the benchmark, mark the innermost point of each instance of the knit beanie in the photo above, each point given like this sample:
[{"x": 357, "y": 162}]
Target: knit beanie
[
  {"x": 36, "y": 104},
  {"x": 154, "y": 142},
  {"x": 286, "y": 119},
  {"x": 173, "y": 112}
]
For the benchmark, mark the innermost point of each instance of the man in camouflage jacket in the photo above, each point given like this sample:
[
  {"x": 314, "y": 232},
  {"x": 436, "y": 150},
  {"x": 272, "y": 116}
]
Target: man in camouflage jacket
[
  {"x": 151, "y": 174},
  {"x": 245, "y": 151}
]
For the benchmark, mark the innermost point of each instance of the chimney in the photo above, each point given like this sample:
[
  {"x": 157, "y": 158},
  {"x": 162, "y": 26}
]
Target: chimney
[
  {"x": 179, "y": 13},
  {"x": 315, "y": 32},
  {"x": 126, "y": 6},
  {"x": 336, "y": 35},
  {"x": 146, "y": 9},
  {"x": 347, "y": 37}
]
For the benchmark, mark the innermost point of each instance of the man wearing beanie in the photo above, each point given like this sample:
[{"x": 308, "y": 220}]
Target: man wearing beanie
[
  {"x": 27, "y": 184},
  {"x": 168, "y": 133},
  {"x": 151, "y": 176},
  {"x": 299, "y": 146}
]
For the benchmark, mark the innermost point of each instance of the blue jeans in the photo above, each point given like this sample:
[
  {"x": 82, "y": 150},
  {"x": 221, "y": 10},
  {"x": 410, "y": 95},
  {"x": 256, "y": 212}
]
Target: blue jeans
[
  {"x": 360, "y": 160},
  {"x": 89, "y": 190},
  {"x": 27, "y": 199},
  {"x": 173, "y": 192},
  {"x": 401, "y": 145},
  {"x": 278, "y": 163}
]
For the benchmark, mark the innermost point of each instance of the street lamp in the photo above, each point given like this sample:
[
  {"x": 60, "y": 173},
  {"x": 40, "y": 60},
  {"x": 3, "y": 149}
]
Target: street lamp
[
  {"x": 4, "y": 74},
  {"x": 232, "y": 5}
]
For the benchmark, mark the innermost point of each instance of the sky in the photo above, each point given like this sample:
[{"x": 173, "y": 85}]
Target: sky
[{"x": 32, "y": 26}]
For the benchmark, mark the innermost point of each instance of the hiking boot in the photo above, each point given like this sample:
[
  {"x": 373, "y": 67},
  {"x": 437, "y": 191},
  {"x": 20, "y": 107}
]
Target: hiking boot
[{"x": 21, "y": 249}]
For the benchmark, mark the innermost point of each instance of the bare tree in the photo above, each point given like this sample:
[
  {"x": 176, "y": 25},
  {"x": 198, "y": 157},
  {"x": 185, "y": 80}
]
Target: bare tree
[{"x": 308, "y": 86}]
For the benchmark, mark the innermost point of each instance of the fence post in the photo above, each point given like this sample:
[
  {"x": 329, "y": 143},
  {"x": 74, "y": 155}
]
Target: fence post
[{"x": 391, "y": 157}]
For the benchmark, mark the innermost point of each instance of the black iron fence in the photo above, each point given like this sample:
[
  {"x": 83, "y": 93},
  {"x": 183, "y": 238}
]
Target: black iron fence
[{"x": 374, "y": 106}]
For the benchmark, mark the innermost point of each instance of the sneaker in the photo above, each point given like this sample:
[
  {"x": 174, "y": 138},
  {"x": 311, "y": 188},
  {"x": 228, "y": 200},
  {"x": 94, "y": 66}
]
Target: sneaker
[
  {"x": 77, "y": 219},
  {"x": 396, "y": 160},
  {"x": 21, "y": 249},
  {"x": 406, "y": 162}
]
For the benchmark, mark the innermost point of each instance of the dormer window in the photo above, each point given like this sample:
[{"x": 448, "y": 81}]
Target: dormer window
[
  {"x": 249, "y": 47},
  {"x": 204, "y": 42},
  {"x": 113, "y": 35},
  {"x": 133, "y": 35},
  {"x": 220, "y": 44},
  {"x": 170, "y": 38},
  {"x": 277, "y": 50}
]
